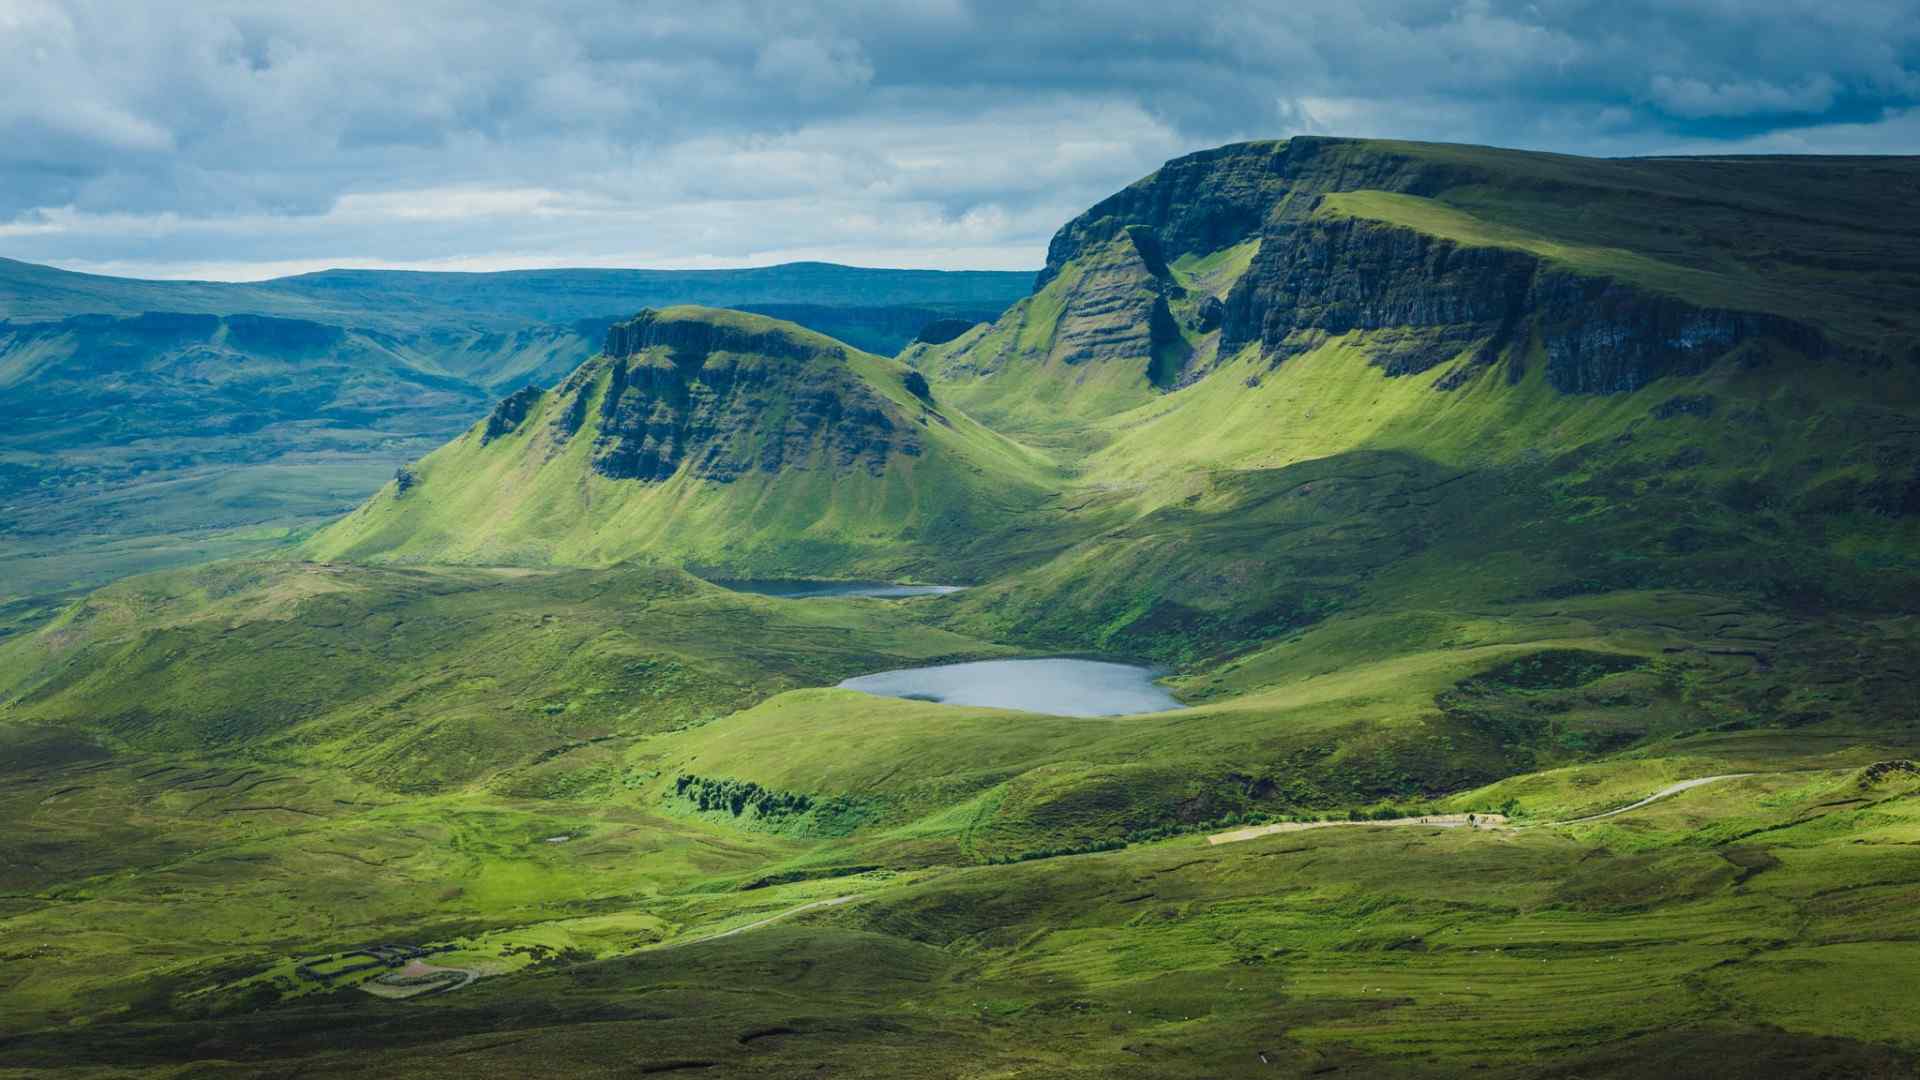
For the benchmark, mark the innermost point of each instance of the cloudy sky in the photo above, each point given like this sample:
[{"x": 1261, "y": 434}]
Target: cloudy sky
[{"x": 247, "y": 139}]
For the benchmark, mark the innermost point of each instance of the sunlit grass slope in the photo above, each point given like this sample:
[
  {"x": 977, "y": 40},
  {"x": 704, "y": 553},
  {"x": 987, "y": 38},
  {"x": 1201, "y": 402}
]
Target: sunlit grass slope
[
  {"x": 533, "y": 495},
  {"x": 420, "y": 679},
  {"x": 1757, "y": 926},
  {"x": 1819, "y": 241},
  {"x": 1383, "y": 590}
]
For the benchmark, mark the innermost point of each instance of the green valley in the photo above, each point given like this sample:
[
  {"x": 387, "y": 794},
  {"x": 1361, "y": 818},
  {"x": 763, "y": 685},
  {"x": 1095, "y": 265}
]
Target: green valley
[
  {"x": 1435, "y": 480},
  {"x": 160, "y": 423}
]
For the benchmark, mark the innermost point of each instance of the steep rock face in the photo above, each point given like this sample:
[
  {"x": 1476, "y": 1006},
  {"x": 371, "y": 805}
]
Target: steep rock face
[
  {"x": 291, "y": 337},
  {"x": 507, "y": 416},
  {"x": 689, "y": 341},
  {"x": 1109, "y": 296},
  {"x": 720, "y": 439},
  {"x": 1209, "y": 315},
  {"x": 721, "y": 400},
  {"x": 1421, "y": 299},
  {"x": 1331, "y": 277},
  {"x": 1424, "y": 300},
  {"x": 1217, "y": 198},
  {"x": 1117, "y": 307},
  {"x": 1603, "y": 337}
]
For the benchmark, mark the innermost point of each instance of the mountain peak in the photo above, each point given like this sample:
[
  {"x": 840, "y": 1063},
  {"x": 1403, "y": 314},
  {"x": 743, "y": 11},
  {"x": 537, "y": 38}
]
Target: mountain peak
[
  {"x": 1607, "y": 275},
  {"x": 693, "y": 419},
  {"x": 689, "y": 333},
  {"x": 722, "y": 393}
]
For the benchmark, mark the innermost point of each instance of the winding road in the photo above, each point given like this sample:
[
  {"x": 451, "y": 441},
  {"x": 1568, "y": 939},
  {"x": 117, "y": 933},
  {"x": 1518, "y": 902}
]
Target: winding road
[
  {"x": 1670, "y": 789},
  {"x": 1438, "y": 821},
  {"x": 836, "y": 901},
  {"x": 1456, "y": 821}
]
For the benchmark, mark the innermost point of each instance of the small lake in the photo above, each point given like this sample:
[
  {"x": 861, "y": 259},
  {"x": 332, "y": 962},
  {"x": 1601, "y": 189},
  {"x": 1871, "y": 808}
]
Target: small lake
[
  {"x": 792, "y": 589},
  {"x": 1059, "y": 687}
]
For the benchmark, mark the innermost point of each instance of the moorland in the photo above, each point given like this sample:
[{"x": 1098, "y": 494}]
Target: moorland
[{"x": 1442, "y": 482}]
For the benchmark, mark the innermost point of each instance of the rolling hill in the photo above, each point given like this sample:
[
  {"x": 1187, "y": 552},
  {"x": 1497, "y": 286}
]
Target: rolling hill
[
  {"x": 1712, "y": 399},
  {"x": 150, "y": 423},
  {"x": 1443, "y": 480},
  {"x": 693, "y": 424},
  {"x": 402, "y": 301}
]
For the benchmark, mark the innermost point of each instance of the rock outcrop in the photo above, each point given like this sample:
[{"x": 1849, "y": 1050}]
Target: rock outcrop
[
  {"x": 1425, "y": 300},
  {"x": 1320, "y": 278},
  {"x": 1421, "y": 300},
  {"x": 1217, "y": 198},
  {"x": 721, "y": 396},
  {"x": 714, "y": 438},
  {"x": 1209, "y": 315},
  {"x": 1603, "y": 336},
  {"x": 1116, "y": 307},
  {"x": 507, "y": 416}
]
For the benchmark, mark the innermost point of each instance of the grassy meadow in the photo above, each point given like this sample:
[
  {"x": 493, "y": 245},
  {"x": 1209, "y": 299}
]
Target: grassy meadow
[{"x": 493, "y": 714}]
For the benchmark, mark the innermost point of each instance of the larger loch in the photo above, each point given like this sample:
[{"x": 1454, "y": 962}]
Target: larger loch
[{"x": 1058, "y": 687}]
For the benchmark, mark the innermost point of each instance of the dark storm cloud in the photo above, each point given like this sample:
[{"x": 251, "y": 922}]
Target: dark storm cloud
[{"x": 247, "y": 137}]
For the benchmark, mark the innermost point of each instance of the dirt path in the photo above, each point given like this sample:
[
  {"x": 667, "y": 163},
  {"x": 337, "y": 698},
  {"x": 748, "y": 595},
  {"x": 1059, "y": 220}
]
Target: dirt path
[
  {"x": 1670, "y": 789},
  {"x": 1439, "y": 821},
  {"x": 1462, "y": 821},
  {"x": 836, "y": 901}
]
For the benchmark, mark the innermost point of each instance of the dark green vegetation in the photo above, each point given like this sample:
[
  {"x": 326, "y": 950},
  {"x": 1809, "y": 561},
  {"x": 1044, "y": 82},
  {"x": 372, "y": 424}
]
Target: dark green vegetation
[
  {"x": 807, "y": 456},
  {"x": 1450, "y": 480},
  {"x": 147, "y": 423}
]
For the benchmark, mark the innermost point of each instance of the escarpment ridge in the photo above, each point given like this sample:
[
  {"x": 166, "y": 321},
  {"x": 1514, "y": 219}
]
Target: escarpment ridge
[
  {"x": 1608, "y": 274},
  {"x": 805, "y": 453}
]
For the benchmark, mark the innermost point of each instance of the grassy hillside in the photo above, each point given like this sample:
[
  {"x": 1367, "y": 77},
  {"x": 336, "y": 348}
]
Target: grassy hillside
[
  {"x": 154, "y": 423},
  {"x": 1755, "y": 924},
  {"x": 1812, "y": 252},
  {"x": 1363, "y": 376},
  {"x": 807, "y": 456},
  {"x": 419, "y": 679},
  {"x": 1445, "y": 481}
]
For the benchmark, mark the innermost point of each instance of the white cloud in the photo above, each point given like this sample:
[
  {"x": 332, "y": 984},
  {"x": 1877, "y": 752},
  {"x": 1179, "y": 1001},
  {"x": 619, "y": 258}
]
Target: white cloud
[
  {"x": 256, "y": 133},
  {"x": 1696, "y": 98}
]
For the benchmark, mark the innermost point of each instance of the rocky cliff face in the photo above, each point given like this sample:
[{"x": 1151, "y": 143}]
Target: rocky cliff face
[
  {"x": 1603, "y": 337},
  {"x": 720, "y": 439},
  {"x": 1316, "y": 279},
  {"x": 720, "y": 399},
  {"x": 1420, "y": 300},
  {"x": 1217, "y": 198},
  {"x": 1116, "y": 307},
  {"x": 507, "y": 416},
  {"x": 1424, "y": 300}
]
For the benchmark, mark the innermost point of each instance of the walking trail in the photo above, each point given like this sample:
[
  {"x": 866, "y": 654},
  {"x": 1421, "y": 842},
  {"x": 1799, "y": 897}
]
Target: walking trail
[
  {"x": 1670, "y": 789},
  {"x": 1443, "y": 821},
  {"x": 1458, "y": 821},
  {"x": 763, "y": 922}
]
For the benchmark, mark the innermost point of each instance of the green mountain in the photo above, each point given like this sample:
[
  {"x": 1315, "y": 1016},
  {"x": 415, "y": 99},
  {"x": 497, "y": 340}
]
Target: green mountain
[
  {"x": 1610, "y": 273},
  {"x": 1576, "y": 496},
  {"x": 149, "y": 423},
  {"x": 1614, "y": 374},
  {"x": 807, "y": 456}
]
